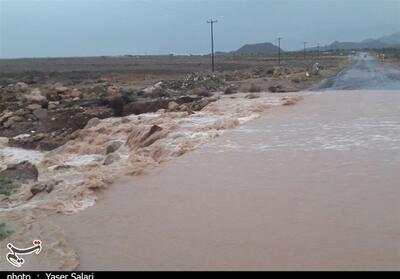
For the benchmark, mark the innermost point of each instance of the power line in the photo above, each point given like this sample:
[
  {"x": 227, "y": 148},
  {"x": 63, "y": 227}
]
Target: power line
[
  {"x": 279, "y": 50},
  {"x": 211, "y": 22}
]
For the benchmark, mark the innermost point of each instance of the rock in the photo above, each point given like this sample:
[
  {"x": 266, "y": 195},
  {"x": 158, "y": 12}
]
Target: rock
[
  {"x": 185, "y": 107},
  {"x": 172, "y": 105},
  {"x": 47, "y": 186},
  {"x": 152, "y": 88},
  {"x": 49, "y": 143},
  {"x": 316, "y": 68},
  {"x": 200, "y": 104},
  {"x": 5, "y": 115},
  {"x": 22, "y": 136},
  {"x": 12, "y": 120},
  {"x": 41, "y": 113},
  {"x": 21, "y": 87},
  {"x": 113, "y": 92},
  {"x": 252, "y": 96},
  {"x": 75, "y": 93},
  {"x": 112, "y": 147},
  {"x": 143, "y": 137},
  {"x": 16, "y": 118},
  {"x": 92, "y": 122},
  {"x": 231, "y": 89},
  {"x": 39, "y": 136},
  {"x": 111, "y": 158},
  {"x": 125, "y": 120},
  {"x": 286, "y": 101},
  {"x": 21, "y": 112},
  {"x": 22, "y": 172},
  {"x": 33, "y": 107},
  {"x": 30, "y": 117},
  {"x": 36, "y": 97},
  {"x": 59, "y": 88},
  {"x": 37, "y": 188},
  {"x": 53, "y": 105},
  {"x": 277, "y": 89},
  {"x": 3, "y": 141}
]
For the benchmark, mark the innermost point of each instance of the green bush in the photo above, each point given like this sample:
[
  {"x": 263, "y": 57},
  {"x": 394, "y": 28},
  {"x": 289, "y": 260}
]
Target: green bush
[
  {"x": 4, "y": 231},
  {"x": 6, "y": 186}
]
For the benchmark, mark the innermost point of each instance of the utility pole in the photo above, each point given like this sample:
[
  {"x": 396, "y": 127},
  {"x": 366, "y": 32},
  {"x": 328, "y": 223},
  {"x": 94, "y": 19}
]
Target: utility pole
[
  {"x": 318, "y": 51},
  {"x": 279, "y": 50},
  {"x": 211, "y": 22},
  {"x": 305, "y": 44}
]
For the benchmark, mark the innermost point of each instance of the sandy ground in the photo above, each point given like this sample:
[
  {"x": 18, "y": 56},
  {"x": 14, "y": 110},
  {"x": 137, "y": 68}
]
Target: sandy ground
[{"x": 313, "y": 186}]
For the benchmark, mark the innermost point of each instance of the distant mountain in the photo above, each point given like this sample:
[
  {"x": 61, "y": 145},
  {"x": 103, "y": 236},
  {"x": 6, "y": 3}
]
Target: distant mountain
[
  {"x": 383, "y": 42},
  {"x": 253, "y": 49},
  {"x": 393, "y": 39},
  {"x": 367, "y": 44},
  {"x": 262, "y": 48}
]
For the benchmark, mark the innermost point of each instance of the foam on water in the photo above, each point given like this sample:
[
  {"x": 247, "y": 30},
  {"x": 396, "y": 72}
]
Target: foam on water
[{"x": 13, "y": 155}]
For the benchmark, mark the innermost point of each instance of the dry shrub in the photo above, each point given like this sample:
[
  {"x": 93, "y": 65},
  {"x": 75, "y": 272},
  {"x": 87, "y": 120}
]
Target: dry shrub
[
  {"x": 159, "y": 93},
  {"x": 117, "y": 104},
  {"x": 201, "y": 92},
  {"x": 230, "y": 90},
  {"x": 254, "y": 88}
]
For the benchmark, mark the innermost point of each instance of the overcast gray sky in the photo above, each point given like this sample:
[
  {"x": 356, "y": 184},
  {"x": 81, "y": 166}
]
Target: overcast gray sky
[{"x": 51, "y": 28}]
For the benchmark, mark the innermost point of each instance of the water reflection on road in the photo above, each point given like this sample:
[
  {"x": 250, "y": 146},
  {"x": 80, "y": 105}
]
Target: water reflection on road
[{"x": 364, "y": 73}]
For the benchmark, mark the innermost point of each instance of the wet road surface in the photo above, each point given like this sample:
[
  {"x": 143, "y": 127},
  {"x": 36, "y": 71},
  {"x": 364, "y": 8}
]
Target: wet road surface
[{"x": 364, "y": 73}]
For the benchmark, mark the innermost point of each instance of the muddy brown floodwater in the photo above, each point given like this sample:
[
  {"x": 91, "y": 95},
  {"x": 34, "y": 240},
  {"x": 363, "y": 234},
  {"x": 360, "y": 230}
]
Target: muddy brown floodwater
[{"x": 312, "y": 186}]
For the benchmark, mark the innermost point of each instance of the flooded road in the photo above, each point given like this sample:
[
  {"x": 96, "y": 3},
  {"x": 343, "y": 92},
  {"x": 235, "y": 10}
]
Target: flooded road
[
  {"x": 312, "y": 186},
  {"x": 364, "y": 72}
]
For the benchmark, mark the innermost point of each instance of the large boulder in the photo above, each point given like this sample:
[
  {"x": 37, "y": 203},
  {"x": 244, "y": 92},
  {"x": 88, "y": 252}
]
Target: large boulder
[
  {"x": 200, "y": 104},
  {"x": 33, "y": 107},
  {"x": 22, "y": 172},
  {"x": 59, "y": 88},
  {"x": 40, "y": 113},
  {"x": 75, "y": 93},
  {"x": 111, "y": 158},
  {"x": 21, "y": 87},
  {"x": 12, "y": 120},
  {"x": 53, "y": 104},
  {"x": 114, "y": 146},
  {"x": 5, "y": 115},
  {"x": 172, "y": 105},
  {"x": 143, "y": 136},
  {"x": 93, "y": 122},
  {"x": 36, "y": 97},
  {"x": 47, "y": 186}
]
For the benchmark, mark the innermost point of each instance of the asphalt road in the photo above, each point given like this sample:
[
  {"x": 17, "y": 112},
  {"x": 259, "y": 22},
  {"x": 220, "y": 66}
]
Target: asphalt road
[{"x": 365, "y": 73}]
